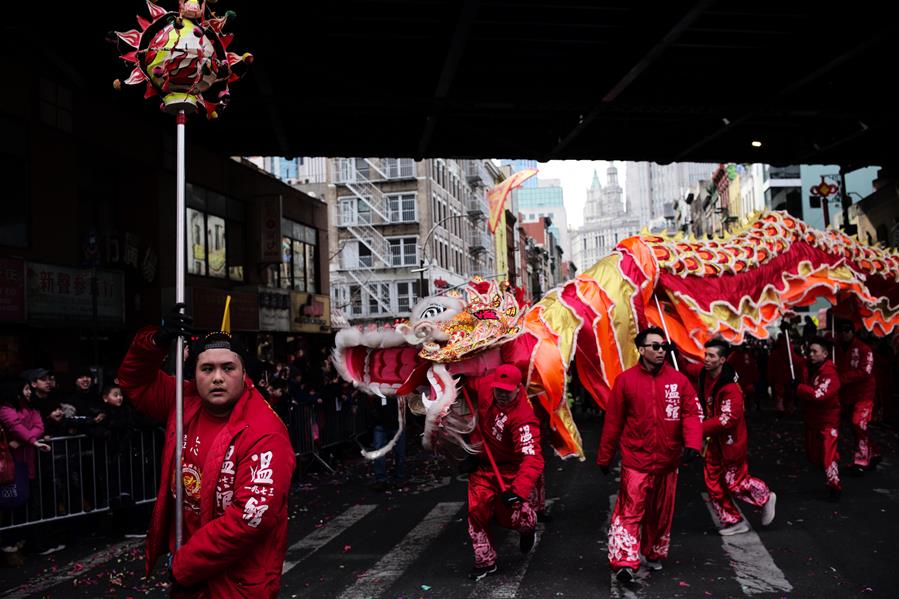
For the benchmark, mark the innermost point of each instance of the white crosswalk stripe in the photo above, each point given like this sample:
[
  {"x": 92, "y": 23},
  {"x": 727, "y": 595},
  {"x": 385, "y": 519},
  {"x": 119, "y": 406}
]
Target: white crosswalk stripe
[
  {"x": 391, "y": 567},
  {"x": 317, "y": 539},
  {"x": 753, "y": 565},
  {"x": 506, "y": 584},
  {"x": 72, "y": 570}
]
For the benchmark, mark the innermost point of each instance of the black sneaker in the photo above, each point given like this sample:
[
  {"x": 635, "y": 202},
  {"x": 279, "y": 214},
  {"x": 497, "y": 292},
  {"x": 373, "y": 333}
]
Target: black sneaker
[
  {"x": 477, "y": 573},
  {"x": 872, "y": 465},
  {"x": 625, "y": 575},
  {"x": 544, "y": 517},
  {"x": 526, "y": 541}
]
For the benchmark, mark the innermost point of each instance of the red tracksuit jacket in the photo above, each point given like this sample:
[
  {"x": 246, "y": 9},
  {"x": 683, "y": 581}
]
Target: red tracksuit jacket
[
  {"x": 654, "y": 416},
  {"x": 239, "y": 549},
  {"x": 724, "y": 419},
  {"x": 821, "y": 398},
  {"x": 513, "y": 434},
  {"x": 855, "y": 365}
]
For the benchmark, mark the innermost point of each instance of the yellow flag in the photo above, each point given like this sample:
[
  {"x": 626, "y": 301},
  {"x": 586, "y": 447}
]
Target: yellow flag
[
  {"x": 226, "y": 317},
  {"x": 496, "y": 197}
]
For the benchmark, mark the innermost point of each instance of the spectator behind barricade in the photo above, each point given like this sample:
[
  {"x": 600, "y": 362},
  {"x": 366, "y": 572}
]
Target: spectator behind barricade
[
  {"x": 119, "y": 418},
  {"x": 41, "y": 387},
  {"x": 84, "y": 394},
  {"x": 120, "y": 432},
  {"x": 24, "y": 431},
  {"x": 278, "y": 398},
  {"x": 383, "y": 414},
  {"x": 22, "y": 424}
]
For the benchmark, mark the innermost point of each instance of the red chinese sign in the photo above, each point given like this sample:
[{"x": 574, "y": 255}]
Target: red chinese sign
[
  {"x": 61, "y": 293},
  {"x": 12, "y": 290}
]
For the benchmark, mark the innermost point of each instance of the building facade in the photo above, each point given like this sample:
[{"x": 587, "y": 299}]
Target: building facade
[
  {"x": 607, "y": 220},
  {"x": 88, "y": 254},
  {"x": 652, "y": 189},
  {"x": 402, "y": 229},
  {"x": 546, "y": 199}
]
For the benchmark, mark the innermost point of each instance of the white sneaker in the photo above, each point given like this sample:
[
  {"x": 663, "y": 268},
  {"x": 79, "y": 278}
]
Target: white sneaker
[
  {"x": 649, "y": 564},
  {"x": 735, "y": 529},
  {"x": 768, "y": 510}
]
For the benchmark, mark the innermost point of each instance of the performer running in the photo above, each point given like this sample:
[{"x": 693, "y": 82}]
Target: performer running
[
  {"x": 855, "y": 365},
  {"x": 236, "y": 468},
  {"x": 724, "y": 428},
  {"x": 654, "y": 413},
  {"x": 511, "y": 435},
  {"x": 820, "y": 397}
]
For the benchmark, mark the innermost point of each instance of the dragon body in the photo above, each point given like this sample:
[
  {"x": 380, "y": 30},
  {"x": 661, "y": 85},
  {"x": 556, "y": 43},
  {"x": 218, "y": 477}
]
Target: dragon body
[{"x": 732, "y": 287}]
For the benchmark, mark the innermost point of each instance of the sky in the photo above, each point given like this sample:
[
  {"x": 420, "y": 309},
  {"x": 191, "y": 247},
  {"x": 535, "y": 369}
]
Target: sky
[{"x": 576, "y": 176}]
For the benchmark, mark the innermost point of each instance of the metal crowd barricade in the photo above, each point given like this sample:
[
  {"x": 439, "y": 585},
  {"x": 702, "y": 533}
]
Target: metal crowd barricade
[
  {"x": 83, "y": 475},
  {"x": 314, "y": 427}
]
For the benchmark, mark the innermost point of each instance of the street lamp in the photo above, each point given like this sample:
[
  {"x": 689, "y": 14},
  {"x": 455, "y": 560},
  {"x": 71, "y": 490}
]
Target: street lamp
[{"x": 424, "y": 262}]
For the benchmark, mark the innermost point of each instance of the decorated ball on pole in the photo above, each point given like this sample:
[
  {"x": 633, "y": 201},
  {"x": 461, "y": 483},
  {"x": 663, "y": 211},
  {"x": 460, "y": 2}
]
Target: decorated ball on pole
[{"x": 182, "y": 57}]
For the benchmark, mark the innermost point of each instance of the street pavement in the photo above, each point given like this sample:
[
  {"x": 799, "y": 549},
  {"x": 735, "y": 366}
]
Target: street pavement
[{"x": 349, "y": 541}]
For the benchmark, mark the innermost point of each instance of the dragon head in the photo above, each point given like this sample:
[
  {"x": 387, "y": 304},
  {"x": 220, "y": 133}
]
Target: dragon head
[{"x": 446, "y": 337}]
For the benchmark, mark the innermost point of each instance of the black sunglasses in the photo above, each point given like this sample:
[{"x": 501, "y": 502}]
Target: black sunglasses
[{"x": 658, "y": 346}]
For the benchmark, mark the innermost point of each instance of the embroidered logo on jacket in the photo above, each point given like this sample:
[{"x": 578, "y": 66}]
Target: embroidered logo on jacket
[{"x": 672, "y": 401}]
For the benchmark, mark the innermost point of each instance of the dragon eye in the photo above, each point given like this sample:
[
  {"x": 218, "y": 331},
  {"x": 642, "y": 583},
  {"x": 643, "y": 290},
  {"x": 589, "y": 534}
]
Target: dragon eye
[{"x": 432, "y": 311}]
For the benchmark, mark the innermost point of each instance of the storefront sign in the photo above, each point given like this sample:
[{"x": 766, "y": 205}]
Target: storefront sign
[
  {"x": 310, "y": 313},
  {"x": 60, "y": 293},
  {"x": 209, "y": 305},
  {"x": 270, "y": 230},
  {"x": 12, "y": 290},
  {"x": 274, "y": 309}
]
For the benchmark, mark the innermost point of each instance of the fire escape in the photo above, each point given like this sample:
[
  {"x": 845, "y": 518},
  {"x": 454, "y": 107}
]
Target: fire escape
[{"x": 356, "y": 175}]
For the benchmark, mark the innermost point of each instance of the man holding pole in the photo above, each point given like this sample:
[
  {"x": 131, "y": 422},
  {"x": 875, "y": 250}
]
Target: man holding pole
[
  {"x": 654, "y": 413},
  {"x": 726, "y": 469},
  {"x": 820, "y": 396},
  {"x": 855, "y": 364},
  {"x": 236, "y": 467},
  {"x": 511, "y": 463}
]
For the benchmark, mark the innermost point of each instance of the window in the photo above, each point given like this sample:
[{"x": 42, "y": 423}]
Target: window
[
  {"x": 15, "y": 211},
  {"x": 398, "y": 168},
  {"x": 215, "y": 239},
  {"x": 401, "y": 207},
  {"x": 55, "y": 105},
  {"x": 215, "y": 234},
  {"x": 378, "y": 291},
  {"x": 403, "y": 251},
  {"x": 355, "y": 299},
  {"x": 406, "y": 295},
  {"x": 298, "y": 258},
  {"x": 196, "y": 242},
  {"x": 354, "y": 211},
  {"x": 365, "y": 255}
]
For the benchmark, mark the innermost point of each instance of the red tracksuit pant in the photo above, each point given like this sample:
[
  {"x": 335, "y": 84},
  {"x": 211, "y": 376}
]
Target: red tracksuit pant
[
  {"x": 725, "y": 481},
  {"x": 864, "y": 447},
  {"x": 641, "y": 520},
  {"x": 538, "y": 495},
  {"x": 484, "y": 503},
  {"x": 821, "y": 449}
]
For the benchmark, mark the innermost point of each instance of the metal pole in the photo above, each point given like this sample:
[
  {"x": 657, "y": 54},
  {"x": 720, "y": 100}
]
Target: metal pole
[
  {"x": 180, "y": 261},
  {"x": 790, "y": 353},
  {"x": 422, "y": 284},
  {"x": 665, "y": 326}
]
